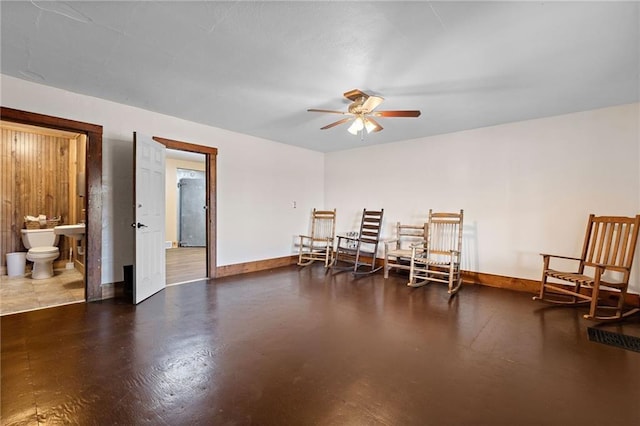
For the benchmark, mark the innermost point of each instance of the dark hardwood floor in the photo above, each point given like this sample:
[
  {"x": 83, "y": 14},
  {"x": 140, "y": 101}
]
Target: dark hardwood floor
[
  {"x": 185, "y": 264},
  {"x": 297, "y": 347}
]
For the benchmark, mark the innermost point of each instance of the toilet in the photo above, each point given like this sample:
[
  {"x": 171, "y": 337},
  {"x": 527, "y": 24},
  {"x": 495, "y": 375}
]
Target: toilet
[{"x": 42, "y": 251}]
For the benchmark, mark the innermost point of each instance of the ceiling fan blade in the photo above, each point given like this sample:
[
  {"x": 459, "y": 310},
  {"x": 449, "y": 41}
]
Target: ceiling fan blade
[
  {"x": 372, "y": 125},
  {"x": 413, "y": 113},
  {"x": 335, "y": 123},
  {"x": 355, "y": 94},
  {"x": 372, "y": 103},
  {"x": 326, "y": 110}
]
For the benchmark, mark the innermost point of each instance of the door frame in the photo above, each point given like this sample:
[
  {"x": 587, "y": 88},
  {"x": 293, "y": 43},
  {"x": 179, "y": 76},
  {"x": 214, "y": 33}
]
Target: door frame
[
  {"x": 211, "y": 155},
  {"x": 93, "y": 262}
]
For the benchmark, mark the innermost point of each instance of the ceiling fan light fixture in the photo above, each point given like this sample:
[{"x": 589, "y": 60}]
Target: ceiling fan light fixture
[
  {"x": 356, "y": 126},
  {"x": 371, "y": 127}
]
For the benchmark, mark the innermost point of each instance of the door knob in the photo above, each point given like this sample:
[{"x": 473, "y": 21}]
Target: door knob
[{"x": 138, "y": 225}]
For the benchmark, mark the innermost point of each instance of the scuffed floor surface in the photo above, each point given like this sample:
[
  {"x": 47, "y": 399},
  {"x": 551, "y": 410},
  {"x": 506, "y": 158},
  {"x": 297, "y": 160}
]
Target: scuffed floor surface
[{"x": 296, "y": 347}]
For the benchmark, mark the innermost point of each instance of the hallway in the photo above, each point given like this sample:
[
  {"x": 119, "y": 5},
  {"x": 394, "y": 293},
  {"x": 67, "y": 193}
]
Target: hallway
[
  {"x": 185, "y": 264},
  {"x": 296, "y": 346}
]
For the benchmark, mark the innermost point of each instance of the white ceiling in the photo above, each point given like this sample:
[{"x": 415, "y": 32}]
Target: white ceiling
[{"x": 255, "y": 67}]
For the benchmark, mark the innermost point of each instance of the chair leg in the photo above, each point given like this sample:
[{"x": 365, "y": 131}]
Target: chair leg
[
  {"x": 595, "y": 297},
  {"x": 576, "y": 290},
  {"x": 300, "y": 253},
  {"x": 327, "y": 252},
  {"x": 595, "y": 293},
  {"x": 412, "y": 274},
  {"x": 386, "y": 266},
  {"x": 413, "y": 279},
  {"x": 301, "y": 263},
  {"x": 355, "y": 264},
  {"x": 620, "y": 307},
  {"x": 543, "y": 280},
  {"x": 328, "y": 268},
  {"x": 455, "y": 277}
]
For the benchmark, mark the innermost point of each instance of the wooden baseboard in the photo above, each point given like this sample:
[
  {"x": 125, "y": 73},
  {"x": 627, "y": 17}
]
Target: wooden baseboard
[
  {"x": 526, "y": 285},
  {"x": 468, "y": 277},
  {"x": 500, "y": 281},
  {"x": 513, "y": 283},
  {"x": 79, "y": 266},
  {"x": 258, "y": 265},
  {"x": 109, "y": 290}
]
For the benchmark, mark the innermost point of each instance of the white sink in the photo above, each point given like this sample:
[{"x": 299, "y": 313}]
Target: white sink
[{"x": 71, "y": 231}]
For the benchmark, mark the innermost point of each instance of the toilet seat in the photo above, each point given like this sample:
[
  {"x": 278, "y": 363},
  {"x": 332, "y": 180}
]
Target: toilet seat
[{"x": 43, "y": 251}]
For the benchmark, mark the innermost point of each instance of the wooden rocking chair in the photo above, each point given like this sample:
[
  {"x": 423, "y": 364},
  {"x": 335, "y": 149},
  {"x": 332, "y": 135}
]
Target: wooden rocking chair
[
  {"x": 397, "y": 251},
  {"x": 438, "y": 258},
  {"x": 359, "y": 253},
  {"x": 605, "y": 263},
  {"x": 318, "y": 245}
]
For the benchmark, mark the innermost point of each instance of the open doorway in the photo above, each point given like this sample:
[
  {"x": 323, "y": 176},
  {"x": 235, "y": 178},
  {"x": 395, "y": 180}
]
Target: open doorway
[
  {"x": 185, "y": 263},
  {"x": 91, "y": 181},
  {"x": 42, "y": 176},
  {"x": 186, "y": 204}
]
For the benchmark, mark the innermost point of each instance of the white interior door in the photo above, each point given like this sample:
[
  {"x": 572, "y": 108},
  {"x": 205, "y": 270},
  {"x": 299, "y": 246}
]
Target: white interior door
[{"x": 150, "y": 273}]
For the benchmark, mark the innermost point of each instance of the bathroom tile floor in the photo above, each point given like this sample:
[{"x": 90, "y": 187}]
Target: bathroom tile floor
[{"x": 19, "y": 294}]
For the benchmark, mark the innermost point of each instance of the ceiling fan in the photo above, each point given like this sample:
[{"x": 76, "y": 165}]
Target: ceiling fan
[{"x": 362, "y": 111}]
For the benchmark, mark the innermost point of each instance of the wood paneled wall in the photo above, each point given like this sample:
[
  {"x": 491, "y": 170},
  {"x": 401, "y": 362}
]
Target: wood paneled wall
[
  {"x": 34, "y": 180},
  {"x": 77, "y": 202}
]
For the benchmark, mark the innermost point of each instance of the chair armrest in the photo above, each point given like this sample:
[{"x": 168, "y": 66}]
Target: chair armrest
[
  {"x": 387, "y": 243},
  {"x": 350, "y": 243},
  {"x": 417, "y": 248},
  {"x": 560, "y": 257},
  {"x": 607, "y": 267}
]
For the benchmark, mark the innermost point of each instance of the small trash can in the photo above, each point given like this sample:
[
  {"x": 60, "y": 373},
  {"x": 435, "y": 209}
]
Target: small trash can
[{"x": 16, "y": 263}]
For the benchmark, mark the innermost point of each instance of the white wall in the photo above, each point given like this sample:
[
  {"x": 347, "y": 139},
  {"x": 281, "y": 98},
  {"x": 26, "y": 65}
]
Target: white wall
[
  {"x": 257, "y": 179},
  {"x": 525, "y": 187}
]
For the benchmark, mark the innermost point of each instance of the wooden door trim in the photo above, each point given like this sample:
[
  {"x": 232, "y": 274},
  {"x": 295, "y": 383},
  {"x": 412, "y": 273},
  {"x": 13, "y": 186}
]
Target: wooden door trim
[
  {"x": 93, "y": 263},
  {"x": 211, "y": 172}
]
